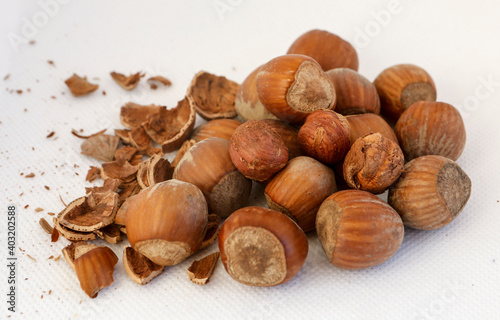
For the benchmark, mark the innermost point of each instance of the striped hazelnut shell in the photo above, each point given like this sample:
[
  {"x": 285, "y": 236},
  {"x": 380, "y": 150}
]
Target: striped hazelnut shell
[
  {"x": 262, "y": 247},
  {"x": 358, "y": 230},
  {"x": 208, "y": 166},
  {"x": 431, "y": 128},
  {"x": 430, "y": 193},
  {"x": 292, "y": 86},
  {"x": 167, "y": 222},
  {"x": 222, "y": 128},
  {"x": 367, "y": 123},
  {"x": 299, "y": 189}
]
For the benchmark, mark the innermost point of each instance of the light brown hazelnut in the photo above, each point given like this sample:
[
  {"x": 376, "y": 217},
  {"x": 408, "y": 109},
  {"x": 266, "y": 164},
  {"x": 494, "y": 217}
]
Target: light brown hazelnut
[
  {"x": 363, "y": 124},
  {"x": 222, "y": 128}
]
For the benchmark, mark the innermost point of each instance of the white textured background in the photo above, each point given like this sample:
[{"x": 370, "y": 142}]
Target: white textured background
[{"x": 451, "y": 273}]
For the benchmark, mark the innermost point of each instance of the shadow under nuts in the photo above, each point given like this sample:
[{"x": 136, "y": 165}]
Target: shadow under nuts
[
  {"x": 431, "y": 192},
  {"x": 167, "y": 222},
  {"x": 358, "y": 230},
  {"x": 299, "y": 189},
  {"x": 373, "y": 163},
  {"x": 208, "y": 166},
  {"x": 262, "y": 247}
]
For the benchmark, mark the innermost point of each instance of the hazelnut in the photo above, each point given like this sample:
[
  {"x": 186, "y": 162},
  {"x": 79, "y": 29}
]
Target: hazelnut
[
  {"x": 358, "y": 230},
  {"x": 355, "y": 94},
  {"x": 363, "y": 124},
  {"x": 167, "y": 221},
  {"x": 299, "y": 189},
  {"x": 262, "y": 247},
  {"x": 402, "y": 85},
  {"x": 257, "y": 150},
  {"x": 330, "y": 50},
  {"x": 325, "y": 136},
  {"x": 247, "y": 103},
  {"x": 373, "y": 163},
  {"x": 292, "y": 86},
  {"x": 288, "y": 134},
  {"x": 431, "y": 128},
  {"x": 222, "y": 128},
  {"x": 430, "y": 193},
  {"x": 208, "y": 166}
]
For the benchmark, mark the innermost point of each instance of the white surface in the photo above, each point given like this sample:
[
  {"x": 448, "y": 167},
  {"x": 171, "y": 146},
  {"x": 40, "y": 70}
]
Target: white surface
[{"x": 452, "y": 273}]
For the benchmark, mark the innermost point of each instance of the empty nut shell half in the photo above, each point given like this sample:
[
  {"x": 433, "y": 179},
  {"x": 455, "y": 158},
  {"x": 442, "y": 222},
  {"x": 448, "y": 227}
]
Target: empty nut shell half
[{"x": 431, "y": 192}]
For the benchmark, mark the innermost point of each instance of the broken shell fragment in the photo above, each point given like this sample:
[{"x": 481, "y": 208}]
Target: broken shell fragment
[
  {"x": 80, "y": 86},
  {"x": 127, "y": 83},
  {"x": 201, "y": 270},
  {"x": 139, "y": 268},
  {"x": 101, "y": 147},
  {"x": 212, "y": 96},
  {"x": 133, "y": 115}
]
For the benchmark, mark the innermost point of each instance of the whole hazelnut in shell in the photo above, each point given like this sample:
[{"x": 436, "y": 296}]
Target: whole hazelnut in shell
[
  {"x": 167, "y": 221},
  {"x": 431, "y": 128},
  {"x": 431, "y": 192},
  {"x": 208, "y": 166},
  {"x": 262, "y": 247},
  {"x": 358, "y": 230}
]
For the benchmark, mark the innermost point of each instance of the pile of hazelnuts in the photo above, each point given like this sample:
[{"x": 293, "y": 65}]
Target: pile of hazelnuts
[{"x": 324, "y": 140}]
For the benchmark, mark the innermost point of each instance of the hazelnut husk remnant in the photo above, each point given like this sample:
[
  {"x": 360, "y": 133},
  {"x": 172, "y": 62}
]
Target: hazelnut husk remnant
[
  {"x": 212, "y": 96},
  {"x": 431, "y": 128},
  {"x": 330, "y": 50},
  {"x": 247, "y": 103},
  {"x": 402, "y": 85},
  {"x": 208, "y": 166},
  {"x": 358, "y": 230},
  {"x": 294, "y": 85},
  {"x": 139, "y": 268},
  {"x": 299, "y": 189},
  {"x": 201, "y": 270},
  {"x": 262, "y": 247},
  {"x": 80, "y": 86},
  {"x": 222, "y": 128},
  {"x": 257, "y": 150},
  {"x": 325, "y": 136},
  {"x": 355, "y": 93},
  {"x": 367, "y": 123},
  {"x": 431, "y": 192},
  {"x": 373, "y": 163},
  {"x": 167, "y": 222}
]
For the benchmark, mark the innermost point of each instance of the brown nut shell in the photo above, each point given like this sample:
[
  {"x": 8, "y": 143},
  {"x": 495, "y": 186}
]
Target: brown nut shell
[
  {"x": 373, "y": 163},
  {"x": 358, "y": 230},
  {"x": 262, "y": 247},
  {"x": 212, "y": 96},
  {"x": 292, "y": 86},
  {"x": 257, "y": 150},
  {"x": 222, "y": 128},
  {"x": 247, "y": 103},
  {"x": 167, "y": 222},
  {"x": 325, "y": 136},
  {"x": 208, "y": 166},
  {"x": 402, "y": 85},
  {"x": 431, "y": 128},
  {"x": 139, "y": 268},
  {"x": 94, "y": 269},
  {"x": 367, "y": 123},
  {"x": 299, "y": 189},
  {"x": 431, "y": 192},
  {"x": 355, "y": 93},
  {"x": 330, "y": 50},
  {"x": 288, "y": 134}
]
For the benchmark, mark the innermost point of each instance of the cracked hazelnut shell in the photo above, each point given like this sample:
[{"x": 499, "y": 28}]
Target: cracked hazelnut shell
[
  {"x": 208, "y": 166},
  {"x": 325, "y": 136},
  {"x": 262, "y": 247},
  {"x": 355, "y": 94},
  {"x": 431, "y": 192},
  {"x": 373, "y": 163},
  {"x": 367, "y": 123},
  {"x": 402, "y": 85},
  {"x": 330, "y": 50},
  {"x": 431, "y": 128},
  {"x": 167, "y": 222},
  {"x": 299, "y": 189},
  {"x": 358, "y": 230},
  {"x": 292, "y": 86}
]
